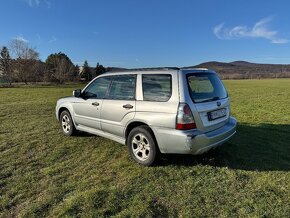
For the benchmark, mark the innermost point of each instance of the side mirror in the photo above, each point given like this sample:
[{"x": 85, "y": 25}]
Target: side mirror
[{"x": 77, "y": 93}]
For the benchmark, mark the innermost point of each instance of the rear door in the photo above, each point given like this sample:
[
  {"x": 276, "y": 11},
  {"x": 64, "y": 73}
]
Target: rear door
[
  {"x": 119, "y": 106},
  {"x": 210, "y": 102}
]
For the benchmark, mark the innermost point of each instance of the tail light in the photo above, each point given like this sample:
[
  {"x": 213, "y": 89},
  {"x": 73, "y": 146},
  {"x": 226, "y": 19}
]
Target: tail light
[{"x": 185, "y": 120}]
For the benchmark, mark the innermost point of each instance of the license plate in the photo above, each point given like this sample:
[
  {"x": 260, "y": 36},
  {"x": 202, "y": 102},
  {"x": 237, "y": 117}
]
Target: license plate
[{"x": 213, "y": 115}]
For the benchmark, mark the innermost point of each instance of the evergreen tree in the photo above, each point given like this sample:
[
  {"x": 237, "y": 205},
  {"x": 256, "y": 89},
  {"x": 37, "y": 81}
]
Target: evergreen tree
[
  {"x": 76, "y": 73},
  {"x": 59, "y": 68},
  {"x": 86, "y": 72},
  {"x": 5, "y": 64},
  {"x": 99, "y": 69}
]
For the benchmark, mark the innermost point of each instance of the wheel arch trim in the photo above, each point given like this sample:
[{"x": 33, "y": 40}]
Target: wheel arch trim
[{"x": 69, "y": 108}]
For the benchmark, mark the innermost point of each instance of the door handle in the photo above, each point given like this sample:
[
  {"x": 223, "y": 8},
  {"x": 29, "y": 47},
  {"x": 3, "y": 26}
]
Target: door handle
[
  {"x": 128, "y": 106},
  {"x": 96, "y": 103}
]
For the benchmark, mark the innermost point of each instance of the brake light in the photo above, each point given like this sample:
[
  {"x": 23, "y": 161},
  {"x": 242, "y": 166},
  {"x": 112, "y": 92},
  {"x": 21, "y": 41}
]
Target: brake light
[{"x": 185, "y": 120}]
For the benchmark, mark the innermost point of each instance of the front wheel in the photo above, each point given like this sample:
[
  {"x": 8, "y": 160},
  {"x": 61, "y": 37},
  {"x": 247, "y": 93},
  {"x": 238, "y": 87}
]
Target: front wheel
[
  {"x": 66, "y": 123},
  {"x": 142, "y": 146}
]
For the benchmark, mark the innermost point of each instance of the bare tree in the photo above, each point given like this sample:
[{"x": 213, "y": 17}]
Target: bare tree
[
  {"x": 25, "y": 60},
  {"x": 21, "y": 50},
  {"x": 63, "y": 70}
]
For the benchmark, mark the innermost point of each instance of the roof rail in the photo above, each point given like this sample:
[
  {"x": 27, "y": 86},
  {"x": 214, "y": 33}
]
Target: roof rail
[
  {"x": 156, "y": 69},
  {"x": 151, "y": 68},
  {"x": 193, "y": 68}
]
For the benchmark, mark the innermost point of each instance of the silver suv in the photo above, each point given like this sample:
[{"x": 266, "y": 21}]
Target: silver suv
[{"x": 185, "y": 111}]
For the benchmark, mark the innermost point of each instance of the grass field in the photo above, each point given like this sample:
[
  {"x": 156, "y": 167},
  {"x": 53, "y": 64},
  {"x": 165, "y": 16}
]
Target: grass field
[{"x": 43, "y": 173}]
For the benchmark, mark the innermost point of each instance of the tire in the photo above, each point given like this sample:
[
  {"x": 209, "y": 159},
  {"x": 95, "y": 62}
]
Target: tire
[
  {"x": 142, "y": 146},
  {"x": 66, "y": 123}
]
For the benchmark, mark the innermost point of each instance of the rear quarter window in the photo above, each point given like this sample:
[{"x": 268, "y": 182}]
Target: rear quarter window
[{"x": 156, "y": 87}]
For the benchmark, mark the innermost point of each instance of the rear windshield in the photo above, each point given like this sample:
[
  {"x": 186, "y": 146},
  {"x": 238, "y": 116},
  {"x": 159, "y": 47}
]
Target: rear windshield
[{"x": 204, "y": 87}]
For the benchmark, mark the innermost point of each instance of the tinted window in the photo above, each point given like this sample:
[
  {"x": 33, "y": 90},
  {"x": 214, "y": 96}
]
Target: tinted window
[
  {"x": 205, "y": 87},
  {"x": 123, "y": 87},
  {"x": 156, "y": 87},
  {"x": 98, "y": 88}
]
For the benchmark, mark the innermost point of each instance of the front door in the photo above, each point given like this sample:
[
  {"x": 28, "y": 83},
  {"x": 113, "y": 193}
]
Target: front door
[{"x": 87, "y": 109}]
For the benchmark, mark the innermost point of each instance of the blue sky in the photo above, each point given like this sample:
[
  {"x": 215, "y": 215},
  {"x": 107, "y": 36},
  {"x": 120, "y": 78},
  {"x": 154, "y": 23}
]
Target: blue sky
[{"x": 149, "y": 33}]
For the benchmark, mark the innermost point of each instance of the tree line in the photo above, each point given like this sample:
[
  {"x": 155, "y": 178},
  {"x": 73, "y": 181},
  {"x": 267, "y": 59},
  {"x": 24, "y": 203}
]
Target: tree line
[{"x": 21, "y": 63}]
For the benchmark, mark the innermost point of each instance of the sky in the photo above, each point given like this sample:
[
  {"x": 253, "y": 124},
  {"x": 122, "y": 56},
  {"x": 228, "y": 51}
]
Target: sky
[{"x": 151, "y": 33}]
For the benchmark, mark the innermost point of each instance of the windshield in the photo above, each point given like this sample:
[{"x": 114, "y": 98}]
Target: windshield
[{"x": 204, "y": 87}]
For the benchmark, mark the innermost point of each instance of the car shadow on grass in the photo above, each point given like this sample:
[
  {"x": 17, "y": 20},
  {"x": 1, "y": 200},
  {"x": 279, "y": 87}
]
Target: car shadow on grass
[
  {"x": 265, "y": 147},
  {"x": 84, "y": 134}
]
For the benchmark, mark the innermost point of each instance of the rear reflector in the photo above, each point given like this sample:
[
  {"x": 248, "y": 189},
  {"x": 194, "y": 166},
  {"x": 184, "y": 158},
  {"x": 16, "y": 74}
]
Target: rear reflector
[{"x": 185, "y": 126}]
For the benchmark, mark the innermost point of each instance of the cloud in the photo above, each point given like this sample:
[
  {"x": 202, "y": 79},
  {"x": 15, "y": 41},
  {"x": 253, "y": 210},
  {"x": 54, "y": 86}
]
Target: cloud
[
  {"x": 37, "y": 3},
  {"x": 48, "y": 3},
  {"x": 38, "y": 39},
  {"x": 53, "y": 39},
  {"x": 20, "y": 38},
  {"x": 217, "y": 30},
  {"x": 259, "y": 30},
  {"x": 33, "y": 3}
]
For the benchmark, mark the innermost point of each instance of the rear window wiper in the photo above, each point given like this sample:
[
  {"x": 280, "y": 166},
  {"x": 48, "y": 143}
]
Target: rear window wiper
[{"x": 211, "y": 99}]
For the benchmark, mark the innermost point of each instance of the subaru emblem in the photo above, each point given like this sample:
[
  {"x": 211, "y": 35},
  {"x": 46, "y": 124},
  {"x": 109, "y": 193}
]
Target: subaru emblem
[{"x": 218, "y": 104}]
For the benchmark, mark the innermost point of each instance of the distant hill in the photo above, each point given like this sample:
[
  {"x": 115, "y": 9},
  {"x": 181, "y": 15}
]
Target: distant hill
[
  {"x": 233, "y": 70},
  {"x": 247, "y": 70}
]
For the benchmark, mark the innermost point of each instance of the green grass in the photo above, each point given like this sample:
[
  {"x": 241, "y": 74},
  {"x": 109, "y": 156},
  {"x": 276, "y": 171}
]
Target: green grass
[{"x": 43, "y": 173}]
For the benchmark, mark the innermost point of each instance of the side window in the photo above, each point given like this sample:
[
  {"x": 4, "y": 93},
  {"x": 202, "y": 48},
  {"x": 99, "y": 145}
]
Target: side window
[
  {"x": 156, "y": 87},
  {"x": 98, "y": 88},
  {"x": 123, "y": 87}
]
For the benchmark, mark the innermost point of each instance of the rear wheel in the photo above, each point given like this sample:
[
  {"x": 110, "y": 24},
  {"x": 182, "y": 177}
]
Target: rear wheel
[
  {"x": 142, "y": 146},
  {"x": 66, "y": 123}
]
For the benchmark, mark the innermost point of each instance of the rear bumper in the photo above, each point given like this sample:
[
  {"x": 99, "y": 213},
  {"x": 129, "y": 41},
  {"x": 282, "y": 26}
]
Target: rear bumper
[{"x": 193, "y": 142}]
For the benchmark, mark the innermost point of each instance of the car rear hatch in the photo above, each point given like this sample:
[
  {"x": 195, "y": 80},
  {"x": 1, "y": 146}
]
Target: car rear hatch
[{"x": 207, "y": 98}]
